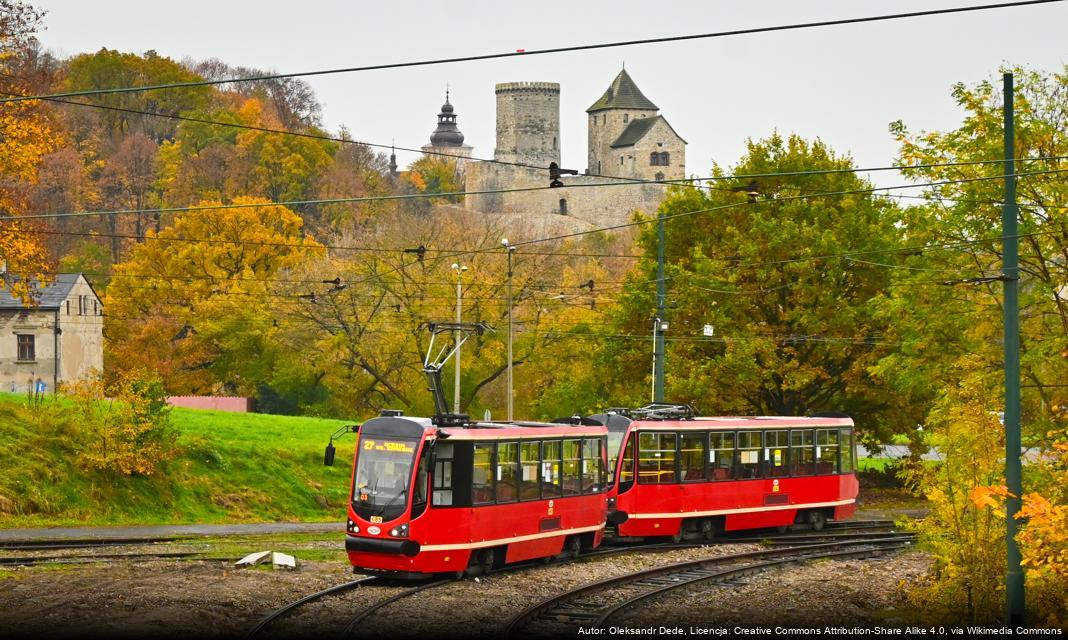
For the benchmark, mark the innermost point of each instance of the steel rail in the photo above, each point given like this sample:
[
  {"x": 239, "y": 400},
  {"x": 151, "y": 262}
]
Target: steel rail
[
  {"x": 282, "y": 611},
  {"x": 692, "y": 580},
  {"x": 533, "y": 612}
]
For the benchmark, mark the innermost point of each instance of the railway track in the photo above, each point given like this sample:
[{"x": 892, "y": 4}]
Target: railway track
[
  {"x": 26, "y": 561},
  {"x": 368, "y": 611},
  {"x": 840, "y": 529},
  {"x": 596, "y": 604}
]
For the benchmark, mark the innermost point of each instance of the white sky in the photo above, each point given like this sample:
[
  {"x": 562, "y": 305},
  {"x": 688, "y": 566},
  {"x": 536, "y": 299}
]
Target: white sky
[{"x": 843, "y": 84}]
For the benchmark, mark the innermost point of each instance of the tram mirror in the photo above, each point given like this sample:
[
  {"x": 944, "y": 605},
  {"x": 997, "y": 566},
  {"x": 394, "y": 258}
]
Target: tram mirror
[{"x": 328, "y": 458}]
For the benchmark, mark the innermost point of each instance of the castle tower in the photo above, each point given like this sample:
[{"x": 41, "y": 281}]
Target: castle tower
[
  {"x": 446, "y": 140},
  {"x": 528, "y": 123},
  {"x": 628, "y": 139}
]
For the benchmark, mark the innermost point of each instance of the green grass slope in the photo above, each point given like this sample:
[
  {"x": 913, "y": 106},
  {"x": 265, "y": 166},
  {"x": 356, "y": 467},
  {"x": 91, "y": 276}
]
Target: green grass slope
[{"x": 230, "y": 467}]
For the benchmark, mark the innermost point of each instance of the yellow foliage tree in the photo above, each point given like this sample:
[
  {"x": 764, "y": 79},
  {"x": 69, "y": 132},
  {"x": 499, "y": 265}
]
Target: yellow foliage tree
[{"x": 187, "y": 293}]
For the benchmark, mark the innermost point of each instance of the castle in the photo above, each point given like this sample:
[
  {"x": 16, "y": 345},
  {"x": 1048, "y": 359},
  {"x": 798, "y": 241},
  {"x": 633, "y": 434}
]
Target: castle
[{"x": 627, "y": 140}]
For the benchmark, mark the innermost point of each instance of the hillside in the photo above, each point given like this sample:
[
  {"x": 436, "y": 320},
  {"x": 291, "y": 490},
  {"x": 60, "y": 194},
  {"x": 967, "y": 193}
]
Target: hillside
[{"x": 230, "y": 467}]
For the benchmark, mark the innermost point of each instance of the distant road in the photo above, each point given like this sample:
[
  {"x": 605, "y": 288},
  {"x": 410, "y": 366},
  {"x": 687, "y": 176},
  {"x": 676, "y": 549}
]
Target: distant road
[{"x": 168, "y": 531}]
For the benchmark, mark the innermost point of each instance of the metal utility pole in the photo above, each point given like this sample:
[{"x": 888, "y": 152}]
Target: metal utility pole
[
  {"x": 511, "y": 250},
  {"x": 459, "y": 269},
  {"x": 659, "y": 326},
  {"x": 1010, "y": 273}
]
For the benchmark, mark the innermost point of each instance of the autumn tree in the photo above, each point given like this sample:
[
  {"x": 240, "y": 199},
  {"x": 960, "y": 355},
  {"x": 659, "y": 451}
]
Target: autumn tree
[
  {"x": 946, "y": 328},
  {"x": 26, "y": 136},
  {"x": 195, "y": 301}
]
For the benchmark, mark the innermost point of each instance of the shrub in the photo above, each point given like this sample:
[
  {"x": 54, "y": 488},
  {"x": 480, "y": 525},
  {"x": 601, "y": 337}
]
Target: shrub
[{"x": 125, "y": 426}]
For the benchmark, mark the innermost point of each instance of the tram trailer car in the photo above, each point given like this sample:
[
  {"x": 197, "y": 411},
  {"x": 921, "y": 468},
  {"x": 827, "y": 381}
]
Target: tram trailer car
[
  {"x": 692, "y": 478},
  {"x": 465, "y": 499}
]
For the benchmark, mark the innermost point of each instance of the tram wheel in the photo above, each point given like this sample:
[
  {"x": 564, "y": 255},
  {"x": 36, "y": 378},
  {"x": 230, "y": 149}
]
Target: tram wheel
[{"x": 816, "y": 519}]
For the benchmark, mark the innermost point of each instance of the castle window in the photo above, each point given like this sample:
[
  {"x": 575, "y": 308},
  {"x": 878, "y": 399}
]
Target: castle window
[
  {"x": 563, "y": 206},
  {"x": 604, "y": 119},
  {"x": 654, "y": 159},
  {"x": 659, "y": 176},
  {"x": 626, "y": 117},
  {"x": 621, "y": 161},
  {"x": 598, "y": 166},
  {"x": 554, "y": 142},
  {"x": 665, "y": 159}
]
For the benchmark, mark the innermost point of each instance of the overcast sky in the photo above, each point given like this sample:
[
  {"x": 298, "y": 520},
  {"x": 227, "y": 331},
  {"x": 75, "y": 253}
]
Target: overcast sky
[{"x": 843, "y": 84}]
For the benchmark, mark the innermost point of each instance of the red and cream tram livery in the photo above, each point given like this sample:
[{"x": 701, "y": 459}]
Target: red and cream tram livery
[
  {"x": 691, "y": 477},
  {"x": 430, "y": 499}
]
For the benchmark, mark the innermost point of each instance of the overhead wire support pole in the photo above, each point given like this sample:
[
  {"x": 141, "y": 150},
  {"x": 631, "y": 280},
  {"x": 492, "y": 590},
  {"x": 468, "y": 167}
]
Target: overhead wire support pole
[
  {"x": 1014, "y": 577},
  {"x": 658, "y": 322},
  {"x": 459, "y": 269},
  {"x": 511, "y": 249}
]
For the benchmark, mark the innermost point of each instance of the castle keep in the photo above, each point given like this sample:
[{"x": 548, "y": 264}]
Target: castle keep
[{"x": 628, "y": 140}]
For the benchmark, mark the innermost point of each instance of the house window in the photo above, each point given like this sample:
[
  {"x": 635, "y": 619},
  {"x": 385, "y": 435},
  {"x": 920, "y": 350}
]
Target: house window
[
  {"x": 27, "y": 352},
  {"x": 659, "y": 176},
  {"x": 654, "y": 159},
  {"x": 626, "y": 117},
  {"x": 665, "y": 159},
  {"x": 563, "y": 206},
  {"x": 96, "y": 310}
]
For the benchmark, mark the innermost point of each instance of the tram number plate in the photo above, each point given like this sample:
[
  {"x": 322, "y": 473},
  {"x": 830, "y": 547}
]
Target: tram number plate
[{"x": 376, "y": 519}]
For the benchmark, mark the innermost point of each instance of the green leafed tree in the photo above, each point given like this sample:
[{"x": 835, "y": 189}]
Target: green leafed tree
[{"x": 785, "y": 281}]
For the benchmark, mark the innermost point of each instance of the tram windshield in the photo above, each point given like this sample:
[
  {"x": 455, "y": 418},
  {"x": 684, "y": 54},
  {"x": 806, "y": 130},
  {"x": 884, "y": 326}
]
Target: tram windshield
[{"x": 383, "y": 473}]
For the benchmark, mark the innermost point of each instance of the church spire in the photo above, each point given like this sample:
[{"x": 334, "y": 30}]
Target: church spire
[{"x": 447, "y": 134}]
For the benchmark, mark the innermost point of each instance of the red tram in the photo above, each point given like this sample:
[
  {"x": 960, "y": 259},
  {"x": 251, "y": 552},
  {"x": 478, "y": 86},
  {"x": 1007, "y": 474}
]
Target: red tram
[
  {"x": 466, "y": 497},
  {"x": 674, "y": 474}
]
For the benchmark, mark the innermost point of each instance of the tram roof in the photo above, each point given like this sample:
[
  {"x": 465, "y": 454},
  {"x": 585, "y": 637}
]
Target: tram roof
[{"x": 743, "y": 422}]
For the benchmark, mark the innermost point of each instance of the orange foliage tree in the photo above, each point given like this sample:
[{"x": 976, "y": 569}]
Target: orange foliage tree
[{"x": 26, "y": 135}]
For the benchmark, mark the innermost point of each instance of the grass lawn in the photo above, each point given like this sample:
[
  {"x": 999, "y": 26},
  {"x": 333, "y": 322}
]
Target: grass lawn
[{"x": 230, "y": 467}]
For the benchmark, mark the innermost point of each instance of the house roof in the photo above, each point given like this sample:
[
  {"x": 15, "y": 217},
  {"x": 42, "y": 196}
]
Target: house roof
[
  {"x": 622, "y": 94},
  {"x": 49, "y": 296},
  {"x": 638, "y": 128}
]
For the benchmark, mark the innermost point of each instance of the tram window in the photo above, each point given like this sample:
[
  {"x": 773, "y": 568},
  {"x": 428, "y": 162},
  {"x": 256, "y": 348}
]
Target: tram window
[
  {"x": 802, "y": 453},
  {"x": 550, "y": 469},
  {"x": 721, "y": 454},
  {"x": 749, "y": 454},
  {"x": 845, "y": 436},
  {"x": 572, "y": 467},
  {"x": 592, "y": 466},
  {"x": 776, "y": 453},
  {"x": 656, "y": 458},
  {"x": 692, "y": 457},
  {"x": 507, "y": 472},
  {"x": 826, "y": 450},
  {"x": 626, "y": 470},
  {"x": 419, "y": 490},
  {"x": 529, "y": 460},
  {"x": 482, "y": 474},
  {"x": 443, "y": 475}
]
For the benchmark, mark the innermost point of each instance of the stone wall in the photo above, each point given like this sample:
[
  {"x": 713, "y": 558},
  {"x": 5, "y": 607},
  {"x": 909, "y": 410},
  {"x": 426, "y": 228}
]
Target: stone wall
[{"x": 585, "y": 200}]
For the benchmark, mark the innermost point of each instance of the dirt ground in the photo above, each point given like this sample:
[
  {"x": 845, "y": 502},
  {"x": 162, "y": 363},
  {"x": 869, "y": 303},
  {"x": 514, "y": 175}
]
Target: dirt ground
[{"x": 210, "y": 598}]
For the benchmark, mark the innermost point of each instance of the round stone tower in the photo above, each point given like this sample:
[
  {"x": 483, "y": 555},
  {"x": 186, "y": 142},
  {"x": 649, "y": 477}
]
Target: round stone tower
[{"x": 528, "y": 123}]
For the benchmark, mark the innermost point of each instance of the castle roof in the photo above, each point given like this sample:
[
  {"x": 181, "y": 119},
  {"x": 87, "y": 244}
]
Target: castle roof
[
  {"x": 447, "y": 134},
  {"x": 637, "y": 128},
  {"x": 622, "y": 94}
]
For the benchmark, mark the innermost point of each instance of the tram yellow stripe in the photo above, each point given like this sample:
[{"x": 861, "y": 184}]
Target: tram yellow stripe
[
  {"x": 499, "y": 541},
  {"x": 722, "y": 512}
]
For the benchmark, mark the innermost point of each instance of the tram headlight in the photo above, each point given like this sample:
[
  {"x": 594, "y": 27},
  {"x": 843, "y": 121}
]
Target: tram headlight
[
  {"x": 353, "y": 527},
  {"x": 399, "y": 532}
]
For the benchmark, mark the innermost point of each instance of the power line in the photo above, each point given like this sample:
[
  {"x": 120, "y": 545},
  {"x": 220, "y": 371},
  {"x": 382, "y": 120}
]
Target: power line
[
  {"x": 631, "y": 182},
  {"x": 534, "y": 52}
]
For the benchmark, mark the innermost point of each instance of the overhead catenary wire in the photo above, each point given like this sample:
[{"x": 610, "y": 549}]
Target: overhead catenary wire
[{"x": 546, "y": 51}]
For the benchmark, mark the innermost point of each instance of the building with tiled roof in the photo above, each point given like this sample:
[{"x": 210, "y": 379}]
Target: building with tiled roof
[{"x": 55, "y": 336}]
